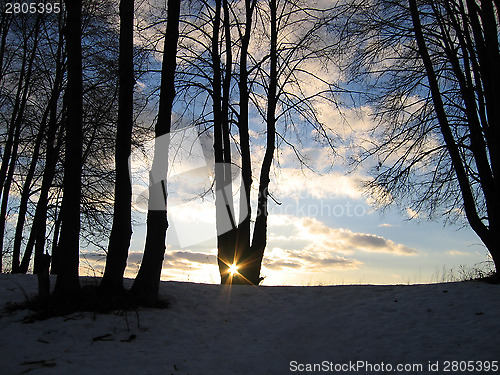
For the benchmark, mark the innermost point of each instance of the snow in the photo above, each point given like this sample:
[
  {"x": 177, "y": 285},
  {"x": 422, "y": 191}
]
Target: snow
[{"x": 213, "y": 329}]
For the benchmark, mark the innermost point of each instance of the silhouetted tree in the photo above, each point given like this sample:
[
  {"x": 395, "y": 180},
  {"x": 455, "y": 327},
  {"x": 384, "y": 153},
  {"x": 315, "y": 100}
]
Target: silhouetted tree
[
  {"x": 67, "y": 282},
  {"x": 293, "y": 36},
  {"x": 432, "y": 78},
  {"x": 226, "y": 225},
  {"x": 46, "y": 133},
  {"x": 252, "y": 263},
  {"x": 6, "y": 21},
  {"x": 121, "y": 232},
  {"x": 36, "y": 187},
  {"x": 211, "y": 36},
  {"x": 474, "y": 32},
  {"x": 146, "y": 284},
  {"x": 24, "y": 85}
]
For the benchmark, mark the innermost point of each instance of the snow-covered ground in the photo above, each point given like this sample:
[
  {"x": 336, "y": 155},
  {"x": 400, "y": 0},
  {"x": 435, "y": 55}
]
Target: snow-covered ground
[{"x": 211, "y": 329}]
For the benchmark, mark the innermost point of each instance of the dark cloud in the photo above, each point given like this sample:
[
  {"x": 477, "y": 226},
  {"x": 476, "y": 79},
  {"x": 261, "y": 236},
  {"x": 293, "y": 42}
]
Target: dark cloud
[
  {"x": 368, "y": 240},
  {"x": 345, "y": 241},
  {"x": 337, "y": 262},
  {"x": 203, "y": 258},
  {"x": 277, "y": 265},
  {"x": 307, "y": 259},
  {"x": 93, "y": 256}
]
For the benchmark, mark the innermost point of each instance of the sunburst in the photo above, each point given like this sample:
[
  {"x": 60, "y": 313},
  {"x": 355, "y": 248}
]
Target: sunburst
[{"x": 233, "y": 269}]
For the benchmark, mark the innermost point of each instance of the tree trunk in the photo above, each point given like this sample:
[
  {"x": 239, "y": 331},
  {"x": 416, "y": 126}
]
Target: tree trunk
[
  {"x": 121, "y": 232},
  {"x": 55, "y": 244},
  {"x": 6, "y": 19},
  {"x": 67, "y": 282},
  {"x": 259, "y": 240},
  {"x": 242, "y": 248},
  {"x": 146, "y": 284},
  {"x": 228, "y": 238},
  {"x": 225, "y": 223}
]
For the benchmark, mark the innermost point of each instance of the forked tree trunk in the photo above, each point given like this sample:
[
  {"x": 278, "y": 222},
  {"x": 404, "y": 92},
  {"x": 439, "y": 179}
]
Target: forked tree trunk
[
  {"x": 121, "y": 231},
  {"x": 146, "y": 284}
]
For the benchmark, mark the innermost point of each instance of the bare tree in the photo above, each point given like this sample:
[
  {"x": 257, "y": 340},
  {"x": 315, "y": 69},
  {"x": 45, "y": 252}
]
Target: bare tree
[
  {"x": 121, "y": 232},
  {"x": 9, "y": 157},
  {"x": 67, "y": 282},
  {"x": 432, "y": 79},
  {"x": 253, "y": 262},
  {"x": 146, "y": 284},
  {"x": 46, "y": 133},
  {"x": 272, "y": 74}
]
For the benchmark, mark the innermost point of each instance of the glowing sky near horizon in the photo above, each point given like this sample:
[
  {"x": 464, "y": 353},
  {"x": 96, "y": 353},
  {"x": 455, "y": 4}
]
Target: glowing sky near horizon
[{"x": 322, "y": 228}]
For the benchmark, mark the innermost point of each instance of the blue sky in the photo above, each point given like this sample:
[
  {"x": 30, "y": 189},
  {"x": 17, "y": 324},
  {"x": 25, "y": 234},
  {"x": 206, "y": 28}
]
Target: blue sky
[{"x": 325, "y": 229}]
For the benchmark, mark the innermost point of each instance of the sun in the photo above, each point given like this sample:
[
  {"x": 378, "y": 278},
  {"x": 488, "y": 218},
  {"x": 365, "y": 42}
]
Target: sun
[{"x": 233, "y": 269}]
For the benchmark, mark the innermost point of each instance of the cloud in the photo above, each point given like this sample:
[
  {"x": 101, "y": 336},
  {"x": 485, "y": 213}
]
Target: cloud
[
  {"x": 319, "y": 237},
  {"x": 306, "y": 260},
  {"x": 193, "y": 257},
  {"x": 372, "y": 243},
  {"x": 278, "y": 265},
  {"x": 457, "y": 253},
  {"x": 189, "y": 260},
  {"x": 135, "y": 257}
]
